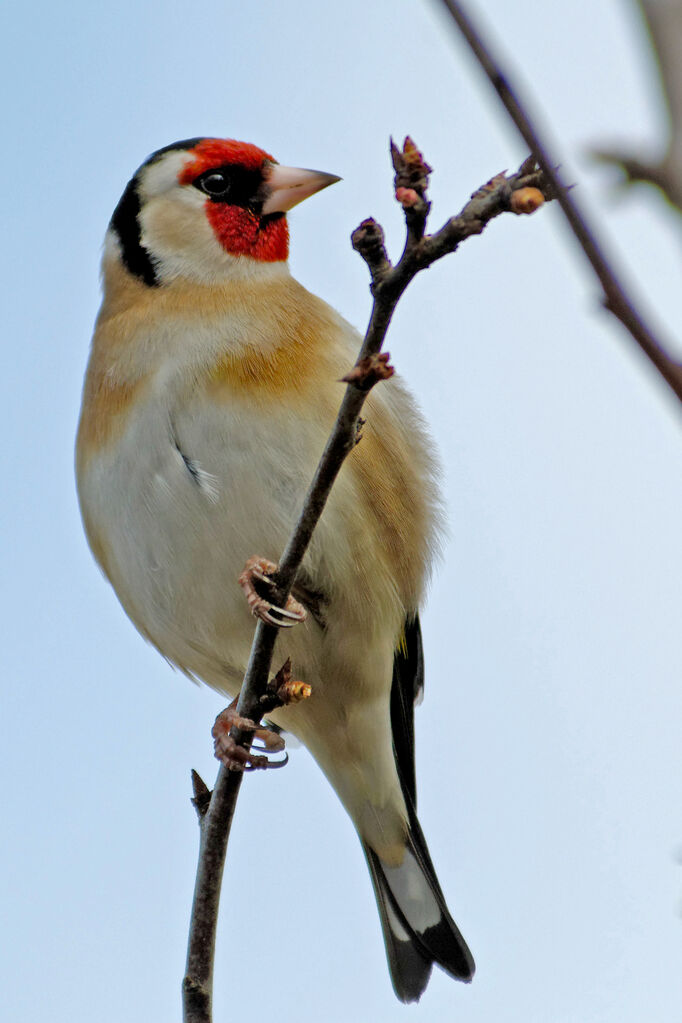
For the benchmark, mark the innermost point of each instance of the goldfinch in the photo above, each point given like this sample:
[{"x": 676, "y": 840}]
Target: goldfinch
[{"x": 211, "y": 388}]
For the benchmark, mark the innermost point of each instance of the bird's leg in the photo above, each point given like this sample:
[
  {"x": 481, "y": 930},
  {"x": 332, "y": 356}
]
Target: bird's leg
[
  {"x": 282, "y": 691},
  {"x": 260, "y": 570},
  {"x": 234, "y": 756}
]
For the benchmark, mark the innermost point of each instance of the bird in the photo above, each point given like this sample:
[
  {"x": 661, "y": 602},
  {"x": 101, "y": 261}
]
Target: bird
[{"x": 211, "y": 387}]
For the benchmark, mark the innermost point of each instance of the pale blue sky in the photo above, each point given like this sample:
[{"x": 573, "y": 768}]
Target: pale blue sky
[{"x": 549, "y": 741}]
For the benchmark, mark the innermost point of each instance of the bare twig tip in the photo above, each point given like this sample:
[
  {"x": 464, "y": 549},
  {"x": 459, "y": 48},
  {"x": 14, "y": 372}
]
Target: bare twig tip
[
  {"x": 411, "y": 169},
  {"x": 202, "y": 794},
  {"x": 199, "y": 786},
  {"x": 411, "y": 155},
  {"x": 529, "y": 165},
  {"x": 368, "y": 240},
  {"x": 395, "y": 156},
  {"x": 284, "y": 673},
  {"x": 368, "y": 231}
]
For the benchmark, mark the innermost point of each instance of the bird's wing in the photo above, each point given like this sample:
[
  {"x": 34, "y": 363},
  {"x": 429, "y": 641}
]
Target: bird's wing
[
  {"x": 407, "y": 686},
  {"x": 417, "y": 926}
]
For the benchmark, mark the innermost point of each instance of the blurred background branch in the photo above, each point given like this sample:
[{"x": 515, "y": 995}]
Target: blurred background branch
[
  {"x": 616, "y": 297},
  {"x": 663, "y": 21}
]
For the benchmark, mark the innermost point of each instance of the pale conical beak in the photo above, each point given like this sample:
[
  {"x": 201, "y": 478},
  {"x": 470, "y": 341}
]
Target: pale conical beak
[{"x": 285, "y": 187}]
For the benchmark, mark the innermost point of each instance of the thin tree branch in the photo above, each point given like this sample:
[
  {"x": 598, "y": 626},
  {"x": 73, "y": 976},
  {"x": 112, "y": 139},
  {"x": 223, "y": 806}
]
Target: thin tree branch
[
  {"x": 615, "y": 297},
  {"x": 522, "y": 192},
  {"x": 637, "y": 170},
  {"x": 663, "y": 19}
]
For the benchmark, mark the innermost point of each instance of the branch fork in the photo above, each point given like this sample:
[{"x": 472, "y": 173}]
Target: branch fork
[{"x": 523, "y": 192}]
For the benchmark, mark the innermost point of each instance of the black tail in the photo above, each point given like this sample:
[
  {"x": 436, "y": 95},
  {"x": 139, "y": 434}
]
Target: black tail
[{"x": 418, "y": 929}]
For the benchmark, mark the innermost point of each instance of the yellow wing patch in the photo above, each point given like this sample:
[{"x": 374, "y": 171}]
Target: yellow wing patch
[{"x": 401, "y": 646}]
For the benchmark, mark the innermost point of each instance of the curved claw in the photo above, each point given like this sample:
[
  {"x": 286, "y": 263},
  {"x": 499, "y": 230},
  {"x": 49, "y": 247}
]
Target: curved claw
[
  {"x": 271, "y": 741},
  {"x": 262, "y": 570},
  {"x": 268, "y": 765},
  {"x": 236, "y": 758},
  {"x": 269, "y": 613},
  {"x": 239, "y": 758}
]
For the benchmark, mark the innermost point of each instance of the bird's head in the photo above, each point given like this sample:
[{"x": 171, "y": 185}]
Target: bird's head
[{"x": 207, "y": 209}]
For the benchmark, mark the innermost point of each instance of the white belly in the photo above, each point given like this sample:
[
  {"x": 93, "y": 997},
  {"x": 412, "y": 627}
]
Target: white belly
[
  {"x": 177, "y": 539},
  {"x": 188, "y": 495}
]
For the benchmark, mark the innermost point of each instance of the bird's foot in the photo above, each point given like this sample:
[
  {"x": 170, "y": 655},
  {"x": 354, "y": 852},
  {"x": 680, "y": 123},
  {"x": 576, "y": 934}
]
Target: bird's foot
[
  {"x": 235, "y": 757},
  {"x": 260, "y": 570}
]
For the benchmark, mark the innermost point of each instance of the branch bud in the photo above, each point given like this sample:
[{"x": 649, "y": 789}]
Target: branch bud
[{"x": 526, "y": 200}]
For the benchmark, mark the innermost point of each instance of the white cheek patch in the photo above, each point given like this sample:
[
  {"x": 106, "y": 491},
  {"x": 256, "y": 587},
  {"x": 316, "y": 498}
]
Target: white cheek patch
[
  {"x": 176, "y": 233},
  {"x": 173, "y": 225},
  {"x": 162, "y": 175}
]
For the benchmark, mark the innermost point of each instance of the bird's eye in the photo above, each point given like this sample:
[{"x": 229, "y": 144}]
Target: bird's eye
[{"x": 215, "y": 183}]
